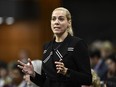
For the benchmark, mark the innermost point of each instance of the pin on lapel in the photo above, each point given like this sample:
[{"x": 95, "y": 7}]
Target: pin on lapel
[
  {"x": 44, "y": 51},
  {"x": 70, "y": 49}
]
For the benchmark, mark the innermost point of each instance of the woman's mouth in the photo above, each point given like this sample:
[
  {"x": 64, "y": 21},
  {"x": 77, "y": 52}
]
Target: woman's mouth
[{"x": 56, "y": 27}]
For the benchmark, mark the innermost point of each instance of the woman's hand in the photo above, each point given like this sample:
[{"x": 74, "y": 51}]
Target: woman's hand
[
  {"x": 27, "y": 68},
  {"x": 60, "y": 67}
]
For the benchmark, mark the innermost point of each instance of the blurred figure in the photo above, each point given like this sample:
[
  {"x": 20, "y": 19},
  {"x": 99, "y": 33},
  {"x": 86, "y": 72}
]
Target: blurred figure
[
  {"x": 95, "y": 57},
  {"x": 37, "y": 67},
  {"x": 28, "y": 81},
  {"x": 95, "y": 80},
  {"x": 98, "y": 64},
  {"x": 17, "y": 77},
  {"x": 111, "y": 75},
  {"x": 111, "y": 62},
  {"x": 96, "y": 45},
  {"x": 111, "y": 82},
  {"x": 4, "y": 79},
  {"x": 23, "y": 55},
  {"x": 106, "y": 49}
]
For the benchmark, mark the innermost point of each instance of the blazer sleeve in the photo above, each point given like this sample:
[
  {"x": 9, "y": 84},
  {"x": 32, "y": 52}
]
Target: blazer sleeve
[
  {"x": 81, "y": 58},
  {"x": 38, "y": 79}
]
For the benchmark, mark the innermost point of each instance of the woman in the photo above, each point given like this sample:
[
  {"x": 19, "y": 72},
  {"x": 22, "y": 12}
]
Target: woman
[{"x": 65, "y": 58}]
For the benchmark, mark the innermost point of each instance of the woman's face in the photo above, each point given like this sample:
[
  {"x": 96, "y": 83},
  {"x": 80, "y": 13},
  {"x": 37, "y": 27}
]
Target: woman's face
[{"x": 59, "y": 22}]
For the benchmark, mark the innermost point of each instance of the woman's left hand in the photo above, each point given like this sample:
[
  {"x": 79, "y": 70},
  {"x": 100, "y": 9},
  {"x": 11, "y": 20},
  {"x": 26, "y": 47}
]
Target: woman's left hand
[{"x": 60, "y": 67}]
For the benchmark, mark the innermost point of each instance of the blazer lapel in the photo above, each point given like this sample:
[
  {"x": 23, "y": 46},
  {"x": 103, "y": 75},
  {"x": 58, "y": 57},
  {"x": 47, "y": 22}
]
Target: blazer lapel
[
  {"x": 62, "y": 50},
  {"x": 48, "y": 52}
]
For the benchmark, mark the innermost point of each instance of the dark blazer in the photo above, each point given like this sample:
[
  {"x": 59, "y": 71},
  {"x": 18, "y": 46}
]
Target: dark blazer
[
  {"x": 74, "y": 53},
  {"x": 101, "y": 70}
]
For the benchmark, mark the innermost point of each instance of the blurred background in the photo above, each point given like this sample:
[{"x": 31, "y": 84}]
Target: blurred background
[{"x": 25, "y": 26}]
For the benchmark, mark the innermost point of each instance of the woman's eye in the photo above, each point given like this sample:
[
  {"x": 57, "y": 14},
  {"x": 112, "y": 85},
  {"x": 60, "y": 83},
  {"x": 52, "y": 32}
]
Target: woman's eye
[
  {"x": 53, "y": 19},
  {"x": 61, "y": 19}
]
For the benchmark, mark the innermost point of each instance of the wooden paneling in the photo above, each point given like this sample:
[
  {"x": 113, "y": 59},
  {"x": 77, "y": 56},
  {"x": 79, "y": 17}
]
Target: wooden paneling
[
  {"x": 46, "y": 9},
  {"x": 27, "y": 35}
]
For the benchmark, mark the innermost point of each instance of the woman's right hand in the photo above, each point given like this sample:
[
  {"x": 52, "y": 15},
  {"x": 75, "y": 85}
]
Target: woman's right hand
[{"x": 27, "y": 68}]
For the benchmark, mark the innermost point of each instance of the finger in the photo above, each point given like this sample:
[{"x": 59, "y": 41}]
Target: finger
[
  {"x": 29, "y": 60},
  {"x": 56, "y": 62},
  {"x": 21, "y": 63},
  {"x": 23, "y": 71},
  {"x": 59, "y": 70},
  {"x": 59, "y": 63},
  {"x": 24, "y": 76},
  {"x": 21, "y": 67},
  {"x": 57, "y": 66},
  {"x": 26, "y": 72}
]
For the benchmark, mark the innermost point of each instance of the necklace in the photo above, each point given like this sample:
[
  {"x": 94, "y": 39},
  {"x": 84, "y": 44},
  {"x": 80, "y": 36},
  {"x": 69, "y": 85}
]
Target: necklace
[{"x": 56, "y": 45}]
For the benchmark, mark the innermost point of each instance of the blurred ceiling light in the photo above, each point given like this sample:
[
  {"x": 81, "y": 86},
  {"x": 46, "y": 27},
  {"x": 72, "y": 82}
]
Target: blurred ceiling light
[
  {"x": 1, "y": 20},
  {"x": 9, "y": 20}
]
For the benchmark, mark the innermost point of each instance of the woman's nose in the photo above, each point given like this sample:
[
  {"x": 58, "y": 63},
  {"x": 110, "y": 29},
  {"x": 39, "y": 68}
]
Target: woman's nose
[{"x": 56, "y": 21}]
